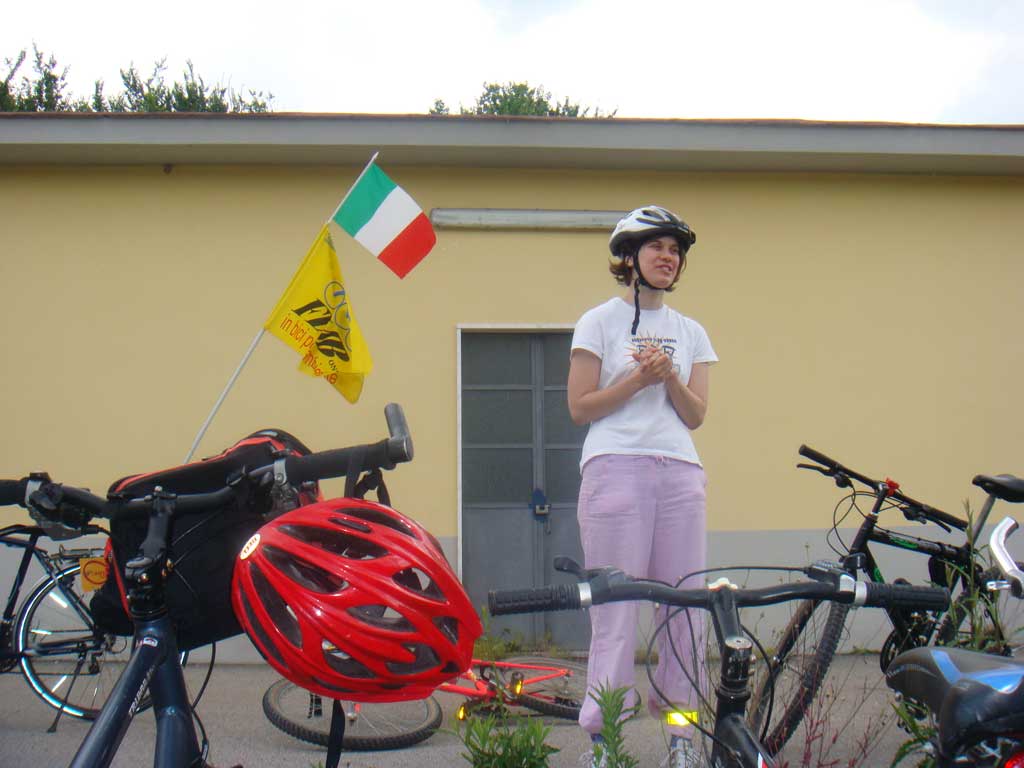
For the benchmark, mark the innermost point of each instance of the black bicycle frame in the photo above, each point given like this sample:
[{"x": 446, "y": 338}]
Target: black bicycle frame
[
  {"x": 735, "y": 745},
  {"x": 154, "y": 664},
  {"x": 860, "y": 557}
]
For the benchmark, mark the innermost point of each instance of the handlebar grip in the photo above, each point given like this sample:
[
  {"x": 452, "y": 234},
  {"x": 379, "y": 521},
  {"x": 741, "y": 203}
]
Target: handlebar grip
[
  {"x": 12, "y": 492},
  {"x": 807, "y": 452},
  {"x": 907, "y": 596},
  {"x": 335, "y": 462},
  {"x": 400, "y": 442},
  {"x": 556, "y": 597}
]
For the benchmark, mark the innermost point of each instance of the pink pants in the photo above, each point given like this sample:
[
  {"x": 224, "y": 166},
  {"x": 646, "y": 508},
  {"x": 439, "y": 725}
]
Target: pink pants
[{"x": 644, "y": 515}]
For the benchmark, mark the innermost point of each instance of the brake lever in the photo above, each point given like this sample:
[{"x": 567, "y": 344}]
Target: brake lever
[
  {"x": 824, "y": 470},
  {"x": 917, "y": 515},
  {"x": 838, "y": 476},
  {"x": 568, "y": 565}
]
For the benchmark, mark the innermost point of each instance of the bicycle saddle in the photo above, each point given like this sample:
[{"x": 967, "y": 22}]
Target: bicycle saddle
[
  {"x": 973, "y": 695},
  {"x": 1005, "y": 487}
]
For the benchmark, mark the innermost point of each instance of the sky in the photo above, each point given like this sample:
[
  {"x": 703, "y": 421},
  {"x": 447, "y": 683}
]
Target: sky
[{"x": 918, "y": 61}]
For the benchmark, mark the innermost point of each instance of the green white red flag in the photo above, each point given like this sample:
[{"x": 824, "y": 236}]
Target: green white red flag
[{"x": 385, "y": 220}]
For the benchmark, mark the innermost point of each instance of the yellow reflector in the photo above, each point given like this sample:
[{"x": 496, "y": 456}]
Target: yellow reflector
[
  {"x": 460, "y": 713},
  {"x": 517, "y": 687},
  {"x": 682, "y": 718}
]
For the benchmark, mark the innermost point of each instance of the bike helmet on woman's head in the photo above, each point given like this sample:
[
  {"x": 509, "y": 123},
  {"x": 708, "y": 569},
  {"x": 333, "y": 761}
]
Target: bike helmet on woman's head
[
  {"x": 636, "y": 228},
  {"x": 641, "y": 225},
  {"x": 353, "y": 600}
]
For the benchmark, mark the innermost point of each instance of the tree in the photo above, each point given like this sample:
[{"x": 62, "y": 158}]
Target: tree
[
  {"x": 519, "y": 99},
  {"x": 47, "y": 92}
]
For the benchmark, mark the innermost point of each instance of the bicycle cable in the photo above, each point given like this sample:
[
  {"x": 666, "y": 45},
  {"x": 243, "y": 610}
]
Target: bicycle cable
[{"x": 665, "y": 626}]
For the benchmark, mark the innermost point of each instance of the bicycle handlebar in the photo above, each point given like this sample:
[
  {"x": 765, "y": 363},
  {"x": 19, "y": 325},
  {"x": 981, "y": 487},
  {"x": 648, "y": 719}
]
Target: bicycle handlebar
[
  {"x": 65, "y": 504},
  {"x": 997, "y": 543},
  {"x": 12, "y": 492},
  {"x": 834, "y": 468},
  {"x": 608, "y": 586}
]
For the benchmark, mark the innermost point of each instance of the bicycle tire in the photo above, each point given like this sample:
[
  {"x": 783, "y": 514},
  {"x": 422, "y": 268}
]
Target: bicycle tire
[
  {"x": 558, "y": 697},
  {"x": 1000, "y": 636},
  {"x": 391, "y": 725},
  {"x": 801, "y": 661},
  {"x": 98, "y": 652}
]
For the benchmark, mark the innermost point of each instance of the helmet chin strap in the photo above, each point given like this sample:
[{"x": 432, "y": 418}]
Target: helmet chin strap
[{"x": 640, "y": 280}]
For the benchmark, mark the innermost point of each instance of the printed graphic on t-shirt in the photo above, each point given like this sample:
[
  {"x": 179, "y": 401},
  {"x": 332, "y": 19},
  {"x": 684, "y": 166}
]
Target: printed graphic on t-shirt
[{"x": 644, "y": 341}]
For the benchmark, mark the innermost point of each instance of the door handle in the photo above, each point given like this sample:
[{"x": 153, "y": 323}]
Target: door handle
[{"x": 541, "y": 508}]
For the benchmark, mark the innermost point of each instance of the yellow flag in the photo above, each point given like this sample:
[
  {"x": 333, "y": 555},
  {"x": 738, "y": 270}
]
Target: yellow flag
[{"x": 315, "y": 318}]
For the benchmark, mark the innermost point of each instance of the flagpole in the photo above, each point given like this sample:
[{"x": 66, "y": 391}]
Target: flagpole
[
  {"x": 224, "y": 394},
  {"x": 354, "y": 183},
  {"x": 256, "y": 340}
]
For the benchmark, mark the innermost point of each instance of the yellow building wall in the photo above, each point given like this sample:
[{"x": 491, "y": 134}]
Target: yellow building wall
[{"x": 875, "y": 318}]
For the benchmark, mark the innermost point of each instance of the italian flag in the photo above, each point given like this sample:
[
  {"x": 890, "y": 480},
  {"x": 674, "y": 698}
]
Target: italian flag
[{"x": 386, "y": 221}]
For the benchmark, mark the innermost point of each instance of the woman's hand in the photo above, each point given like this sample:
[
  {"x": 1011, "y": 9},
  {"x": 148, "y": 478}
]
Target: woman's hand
[{"x": 653, "y": 365}]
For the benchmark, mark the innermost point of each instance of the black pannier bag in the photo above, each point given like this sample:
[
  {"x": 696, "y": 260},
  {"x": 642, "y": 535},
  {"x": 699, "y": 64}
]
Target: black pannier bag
[{"x": 202, "y": 544}]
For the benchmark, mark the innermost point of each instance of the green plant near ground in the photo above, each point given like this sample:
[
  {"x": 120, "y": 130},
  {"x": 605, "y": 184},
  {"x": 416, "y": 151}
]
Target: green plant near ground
[
  {"x": 494, "y": 647},
  {"x": 501, "y": 740},
  {"x": 491, "y": 646},
  {"x": 612, "y": 752},
  {"x": 921, "y": 734}
]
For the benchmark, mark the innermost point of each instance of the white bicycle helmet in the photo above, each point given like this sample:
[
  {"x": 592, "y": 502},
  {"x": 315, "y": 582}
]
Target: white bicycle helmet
[
  {"x": 636, "y": 228},
  {"x": 645, "y": 223}
]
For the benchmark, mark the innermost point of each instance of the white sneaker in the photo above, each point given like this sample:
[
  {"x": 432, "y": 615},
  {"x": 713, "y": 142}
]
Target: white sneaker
[
  {"x": 590, "y": 759},
  {"x": 682, "y": 754}
]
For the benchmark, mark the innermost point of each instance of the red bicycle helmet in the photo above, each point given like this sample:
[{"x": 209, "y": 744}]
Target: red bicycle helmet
[{"x": 353, "y": 600}]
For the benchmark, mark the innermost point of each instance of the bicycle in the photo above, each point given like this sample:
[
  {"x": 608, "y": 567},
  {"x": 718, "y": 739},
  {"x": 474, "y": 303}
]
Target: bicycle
[
  {"x": 735, "y": 743},
  {"x": 53, "y": 638},
  {"x": 805, "y": 648},
  {"x": 154, "y": 664},
  {"x": 975, "y": 701},
  {"x": 552, "y": 687}
]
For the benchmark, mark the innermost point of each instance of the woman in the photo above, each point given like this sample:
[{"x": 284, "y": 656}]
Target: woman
[{"x": 638, "y": 375}]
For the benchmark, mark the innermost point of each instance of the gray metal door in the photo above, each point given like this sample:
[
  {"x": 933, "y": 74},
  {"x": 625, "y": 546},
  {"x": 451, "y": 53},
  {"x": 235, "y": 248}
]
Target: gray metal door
[{"x": 520, "y": 476}]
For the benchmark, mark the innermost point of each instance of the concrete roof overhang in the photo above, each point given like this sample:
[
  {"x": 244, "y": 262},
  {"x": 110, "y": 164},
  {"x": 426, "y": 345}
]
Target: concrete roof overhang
[{"x": 510, "y": 142}]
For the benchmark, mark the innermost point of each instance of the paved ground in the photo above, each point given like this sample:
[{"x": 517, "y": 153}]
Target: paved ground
[{"x": 239, "y": 733}]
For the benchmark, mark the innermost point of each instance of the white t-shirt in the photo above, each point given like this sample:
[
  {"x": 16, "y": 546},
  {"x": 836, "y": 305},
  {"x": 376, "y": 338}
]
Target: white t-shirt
[{"x": 646, "y": 424}]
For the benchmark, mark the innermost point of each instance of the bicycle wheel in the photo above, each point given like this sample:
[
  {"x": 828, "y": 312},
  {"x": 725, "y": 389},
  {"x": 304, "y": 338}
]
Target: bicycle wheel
[
  {"x": 984, "y": 621},
  {"x": 368, "y": 726},
  {"x": 560, "y": 696},
  {"x": 795, "y": 671},
  {"x": 66, "y": 659}
]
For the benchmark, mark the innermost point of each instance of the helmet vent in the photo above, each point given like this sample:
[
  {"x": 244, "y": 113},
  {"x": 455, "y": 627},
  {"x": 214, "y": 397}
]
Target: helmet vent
[
  {"x": 304, "y": 574},
  {"x": 361, "y": 527},
  {"x": 331, "y": 687},
  {"x": 425, "y": 659},
  {"x": 449, "y": 628},
  {"x": 280, "y": 613},
  {"x": 335, "y": 542},
  {"x": 344, "y": 664},
  {"x": 263, "y": 642},
  {"x": 382, "y": 617},
  {"x": 378, "y": 517},
  {"x": 417, "y": 581}
]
